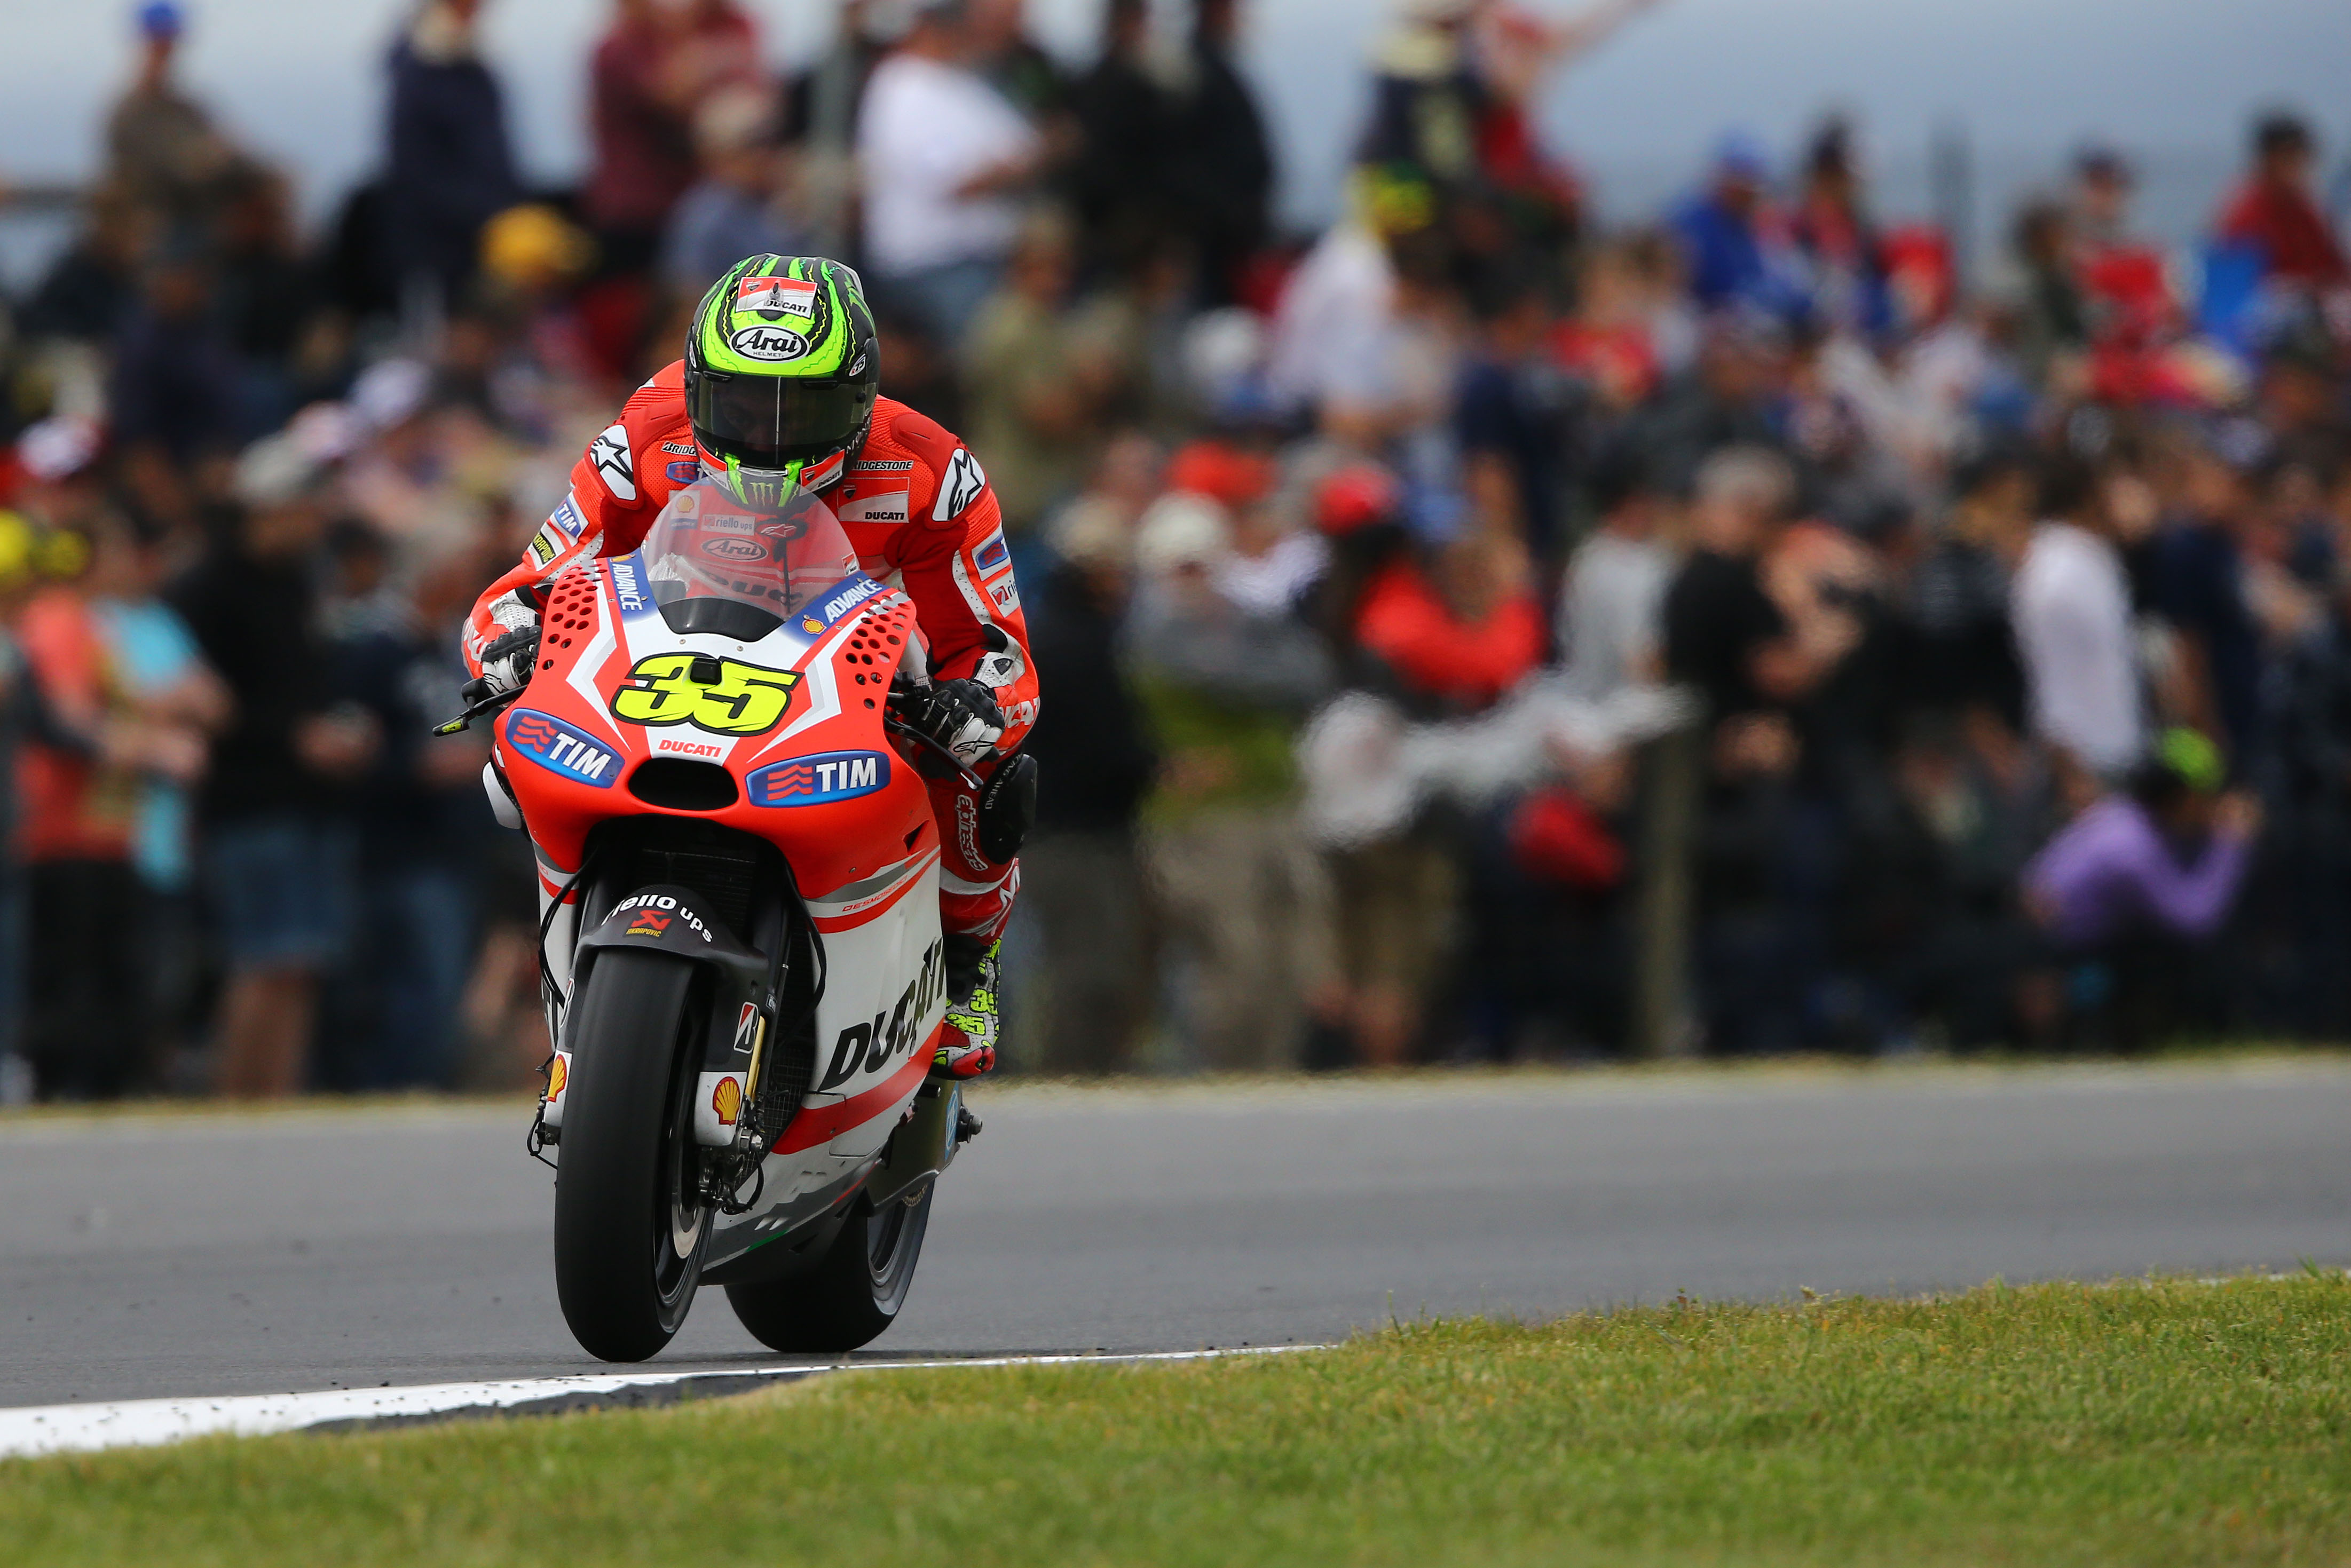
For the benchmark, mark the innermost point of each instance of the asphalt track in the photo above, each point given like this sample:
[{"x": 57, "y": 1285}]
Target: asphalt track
[{"x": 144, "y": 1256}]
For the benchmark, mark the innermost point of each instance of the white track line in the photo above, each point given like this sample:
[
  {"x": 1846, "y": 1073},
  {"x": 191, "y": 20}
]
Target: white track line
[{"x": 37, "y": 1429}]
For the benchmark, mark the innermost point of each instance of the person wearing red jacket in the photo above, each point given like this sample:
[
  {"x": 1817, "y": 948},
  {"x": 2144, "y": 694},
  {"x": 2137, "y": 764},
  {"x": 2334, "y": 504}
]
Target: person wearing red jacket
[
  {"x": 2273, "y": 209},
  {"x": 779, "y": 391}
]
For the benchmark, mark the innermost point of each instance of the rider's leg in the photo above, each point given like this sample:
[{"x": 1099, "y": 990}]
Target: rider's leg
[{"x": 975, "y": 896}]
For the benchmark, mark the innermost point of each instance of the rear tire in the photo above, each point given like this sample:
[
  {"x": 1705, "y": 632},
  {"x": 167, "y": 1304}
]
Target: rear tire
[
  {"x": 853, "y": 1294},
  {"x": 630, "y": 1233}
]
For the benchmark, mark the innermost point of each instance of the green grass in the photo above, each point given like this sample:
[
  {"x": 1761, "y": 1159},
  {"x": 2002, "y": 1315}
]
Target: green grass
[{"x": 2163, "y": 1422}]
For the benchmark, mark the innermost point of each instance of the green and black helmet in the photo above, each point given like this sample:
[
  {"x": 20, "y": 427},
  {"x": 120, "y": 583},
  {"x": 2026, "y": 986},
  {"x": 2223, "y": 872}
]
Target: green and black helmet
[{"x": 780, "y": 375}]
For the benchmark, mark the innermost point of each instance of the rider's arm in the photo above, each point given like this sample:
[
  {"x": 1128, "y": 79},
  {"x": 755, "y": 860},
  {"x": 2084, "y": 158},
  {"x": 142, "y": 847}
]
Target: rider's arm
[
  {"x": 606, "y": 512},
  {"x": 957, "y": 567}
]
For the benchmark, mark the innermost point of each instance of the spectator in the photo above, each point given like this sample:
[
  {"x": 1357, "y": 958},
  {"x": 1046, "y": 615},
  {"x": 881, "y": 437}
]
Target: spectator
[
  {"x": 1015, "y": 64},
  {"x": 1511, "y": 416},
  {"x": 1045, "y": 378},
  {"x": 80, "y": 838},
  {"x": 1224, "y": 691},
  {"x": 1223, "y": 162},
  {"x": 1613, "y": 600},
  {"x": 2072, "y": 606},
  {"x": 2196, "y": 578},
  {"x": 944, "y": 159},
  {"x": 1724, "y": 634},
  {"x": 1964, "y": 655},
  {"x": 1461, "y": 633},
  {"x": 821, "y": 116},
  {"x": 652, "y": 69},
  {"x": 1727, "y": 234},
  {"x": 1081, "y": 880},
  {"x": 448, "y": 165},
  {"x": 1846, "y": 273},
  {"x": 277, "y": 870},
  {"x": 1123, "y": 181},
  {"x": 178, "y": 392},
  {"x": 2053, "y": 316},
  {"x": 421, "y": 822},
  {"x": 163, "y": 152},
  {"x": 2275, "y": 213},
  {"x": 2142, "y": 880},
  {"x": 735, "y": 209},
  {"x": 88, "y": 293}
]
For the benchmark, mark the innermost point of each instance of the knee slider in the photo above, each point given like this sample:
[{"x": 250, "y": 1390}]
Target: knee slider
[{"x": 1008, "y": 808}]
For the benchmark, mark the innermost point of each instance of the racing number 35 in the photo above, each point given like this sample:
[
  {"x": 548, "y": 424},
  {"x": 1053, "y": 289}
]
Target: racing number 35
[{"x": 721, "y": 695}]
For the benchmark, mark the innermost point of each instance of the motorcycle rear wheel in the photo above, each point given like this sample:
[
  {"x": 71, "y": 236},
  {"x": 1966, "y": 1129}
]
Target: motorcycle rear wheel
[
  {"x": 853, "y": 1294},
  {"x": 629, "y": 1229}
]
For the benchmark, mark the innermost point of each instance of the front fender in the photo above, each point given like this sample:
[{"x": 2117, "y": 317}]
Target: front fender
[{"x": 674, "y": 919}]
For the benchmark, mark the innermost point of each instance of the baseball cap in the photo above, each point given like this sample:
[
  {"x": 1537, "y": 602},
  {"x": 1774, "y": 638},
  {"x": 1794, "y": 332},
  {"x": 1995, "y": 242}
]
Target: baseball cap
[{"x": 1221, "y": 472}]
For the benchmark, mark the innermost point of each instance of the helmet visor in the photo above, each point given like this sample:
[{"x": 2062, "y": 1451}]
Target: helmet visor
[{"x": 767, "y": 422}]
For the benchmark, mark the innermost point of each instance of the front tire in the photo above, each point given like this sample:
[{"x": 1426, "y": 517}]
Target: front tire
[
  {"x": 629, "y": 1229},
  {"x": 853, "y": 1294}
]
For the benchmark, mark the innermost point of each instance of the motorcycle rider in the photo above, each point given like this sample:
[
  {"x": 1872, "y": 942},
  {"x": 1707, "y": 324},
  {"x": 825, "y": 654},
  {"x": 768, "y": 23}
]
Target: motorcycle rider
[{"x": 780, "y": 388}]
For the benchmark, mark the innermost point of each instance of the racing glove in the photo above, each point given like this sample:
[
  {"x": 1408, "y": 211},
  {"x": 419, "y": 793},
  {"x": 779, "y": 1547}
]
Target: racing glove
[
  {"x": 960, "y": 715},
  {"x": 506, "y": 660}
]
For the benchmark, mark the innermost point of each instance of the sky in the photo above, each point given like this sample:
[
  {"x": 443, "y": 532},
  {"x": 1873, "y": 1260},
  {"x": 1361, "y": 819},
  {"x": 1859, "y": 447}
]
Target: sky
[{"x": 2174, "y": 81}]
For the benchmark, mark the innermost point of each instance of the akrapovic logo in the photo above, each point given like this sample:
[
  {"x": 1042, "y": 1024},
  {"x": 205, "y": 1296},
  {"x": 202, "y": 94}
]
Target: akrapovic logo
[
  {"x": 817, "y": 780},
  {"x": 560, "y": 749}
]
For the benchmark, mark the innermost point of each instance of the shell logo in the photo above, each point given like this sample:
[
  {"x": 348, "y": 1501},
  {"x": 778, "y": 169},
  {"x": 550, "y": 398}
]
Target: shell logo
[
  {"x": 726, "y": 1100},
  {"x": 557, "y": 1076}
]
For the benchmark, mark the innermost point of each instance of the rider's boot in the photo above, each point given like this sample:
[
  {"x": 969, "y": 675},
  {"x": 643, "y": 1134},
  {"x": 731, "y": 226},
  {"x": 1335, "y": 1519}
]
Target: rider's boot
[{"x": 968, "y": 1043}]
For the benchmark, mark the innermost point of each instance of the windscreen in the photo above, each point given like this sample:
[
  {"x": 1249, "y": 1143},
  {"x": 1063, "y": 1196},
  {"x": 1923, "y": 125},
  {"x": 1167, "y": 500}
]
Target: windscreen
[{"x": 707, "y": 545}]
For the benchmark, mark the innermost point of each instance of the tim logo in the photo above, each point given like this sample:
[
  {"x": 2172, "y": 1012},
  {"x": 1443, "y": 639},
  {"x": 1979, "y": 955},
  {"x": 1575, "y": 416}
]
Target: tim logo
[
  {"x": 560, "y": 749},
  {"x": 817, "y": 780}
]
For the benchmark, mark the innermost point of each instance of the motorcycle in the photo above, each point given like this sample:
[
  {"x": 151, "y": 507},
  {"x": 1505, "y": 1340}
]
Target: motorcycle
[{"x": 740, "y": 944}]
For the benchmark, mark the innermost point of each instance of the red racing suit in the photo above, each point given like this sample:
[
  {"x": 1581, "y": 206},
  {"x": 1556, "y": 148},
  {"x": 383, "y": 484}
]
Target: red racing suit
[{"x": 919, "y": 512}]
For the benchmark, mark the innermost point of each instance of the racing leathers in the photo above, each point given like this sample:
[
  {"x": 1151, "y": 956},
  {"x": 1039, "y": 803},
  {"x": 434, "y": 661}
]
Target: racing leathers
[{"x": 918, "y": 510}]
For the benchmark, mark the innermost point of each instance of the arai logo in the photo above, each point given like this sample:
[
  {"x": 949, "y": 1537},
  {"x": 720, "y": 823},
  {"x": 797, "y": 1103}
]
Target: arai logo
[
  {"x": 733, "y": 549},
  {"x": 769, "y": 343}
]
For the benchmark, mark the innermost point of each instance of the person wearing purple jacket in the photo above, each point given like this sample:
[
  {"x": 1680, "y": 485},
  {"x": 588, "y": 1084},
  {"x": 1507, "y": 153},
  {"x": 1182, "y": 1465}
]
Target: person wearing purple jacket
[
  {"x": 2165, "y": 860},
  {"x": 2132, "y": 890}
]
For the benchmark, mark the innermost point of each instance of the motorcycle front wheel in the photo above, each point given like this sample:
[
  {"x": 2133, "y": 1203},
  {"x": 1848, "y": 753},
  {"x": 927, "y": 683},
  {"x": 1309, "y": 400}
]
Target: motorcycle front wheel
[
  {"x": 853, "y": 1294},
  {"x": 630, "y": 1227}
]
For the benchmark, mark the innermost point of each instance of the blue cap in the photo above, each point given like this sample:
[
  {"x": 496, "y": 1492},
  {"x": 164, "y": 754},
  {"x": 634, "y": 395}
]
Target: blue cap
[
  {"x": 162, "y": 19},
  {"x": 1741, "y": 153}
]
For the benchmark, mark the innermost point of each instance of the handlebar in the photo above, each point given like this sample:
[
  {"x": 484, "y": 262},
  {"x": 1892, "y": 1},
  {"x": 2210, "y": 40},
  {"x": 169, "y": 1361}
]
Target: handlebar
[{"x": 481, "y": 700}]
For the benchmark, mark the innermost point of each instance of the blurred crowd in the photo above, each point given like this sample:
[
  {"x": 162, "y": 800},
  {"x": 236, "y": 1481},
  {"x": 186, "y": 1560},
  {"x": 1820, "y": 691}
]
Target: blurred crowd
[{"x": 1467, "y": 633}]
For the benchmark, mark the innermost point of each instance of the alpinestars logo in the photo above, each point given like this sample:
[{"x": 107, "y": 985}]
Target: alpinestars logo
[
  {"x": 960, "y": 486},
  {"x": 609, "y": 454}
]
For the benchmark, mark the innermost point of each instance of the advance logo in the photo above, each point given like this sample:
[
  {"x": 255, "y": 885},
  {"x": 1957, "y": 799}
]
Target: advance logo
[
  {"x": 819, "y": 779},
  {"x": 560, "y": 749}
]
